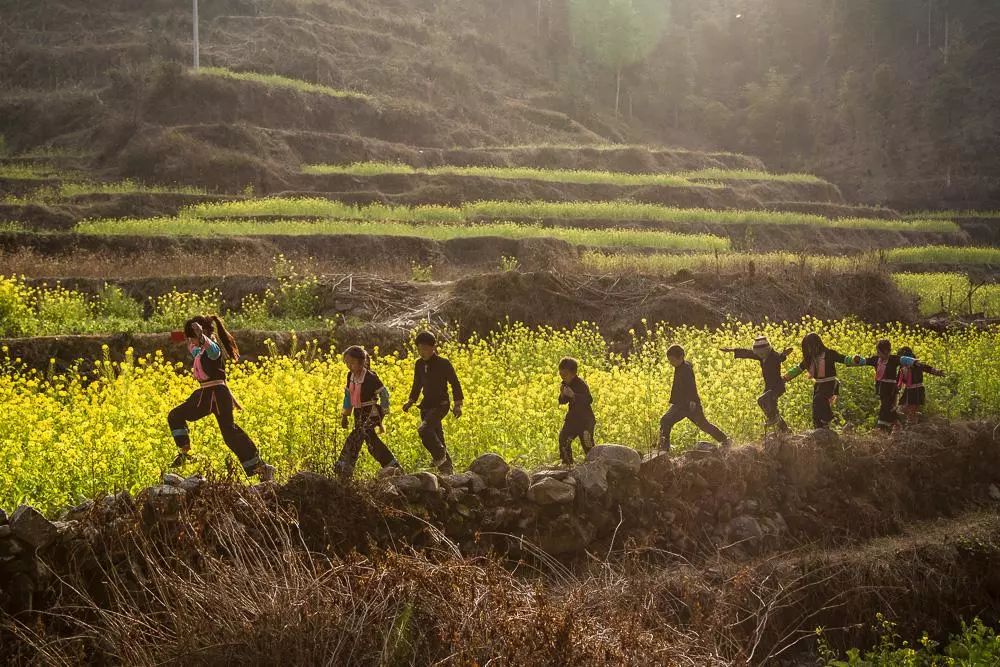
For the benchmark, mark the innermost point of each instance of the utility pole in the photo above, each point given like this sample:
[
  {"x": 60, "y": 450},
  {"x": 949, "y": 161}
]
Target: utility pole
[{"x": 197, "y": 45}]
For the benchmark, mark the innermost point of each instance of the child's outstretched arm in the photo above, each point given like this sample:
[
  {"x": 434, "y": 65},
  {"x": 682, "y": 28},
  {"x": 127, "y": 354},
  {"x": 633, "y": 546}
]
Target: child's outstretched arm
[
  {"x": 739, "y": 352},
  {"x": 794, "y": 372},
  {"x": 916, "y": 363}
]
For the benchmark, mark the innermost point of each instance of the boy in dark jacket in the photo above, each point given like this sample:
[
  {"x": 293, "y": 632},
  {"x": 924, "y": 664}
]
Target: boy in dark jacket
[
  {"x": 580, "y": 420},
  {"x": 431, "y": 375},
  {"x": 770, "y": 365},
  {"x": 685, "y": 402}
]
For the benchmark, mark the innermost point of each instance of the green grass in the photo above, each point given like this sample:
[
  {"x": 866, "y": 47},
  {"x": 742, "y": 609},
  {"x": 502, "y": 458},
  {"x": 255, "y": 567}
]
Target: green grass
[
  {"x": 603, "y": 147},
  {"x": 722, "y": 262},
  {"x": 941, "y": 254},
  {"x": 950, "y": 292},
  {"x": 277, "y": 81},
  {"x": 701, "y": 177},
  {"x": 611, "y": 238},
  {"x": 716, "y": 174},
  {"x": 610, "y": 211},
  {"x": 950, "y": 215},
  {"x": 517, "y": 173},
  {"x": 740, "y": 261},
  {"x": 49, "y": 194}
]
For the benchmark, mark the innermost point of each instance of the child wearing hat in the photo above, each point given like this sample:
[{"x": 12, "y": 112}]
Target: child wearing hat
[{"x": 770, "y": 366}]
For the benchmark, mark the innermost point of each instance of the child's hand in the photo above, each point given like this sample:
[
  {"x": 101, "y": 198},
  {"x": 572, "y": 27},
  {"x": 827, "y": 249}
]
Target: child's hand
[
  {"x": 457, "y": 409},
  {"x": 343, "y": 420},
  {"x": 787, "y": 351},
  {"x": 568, "y": 393},
  {"x": 407, "y": 406}
]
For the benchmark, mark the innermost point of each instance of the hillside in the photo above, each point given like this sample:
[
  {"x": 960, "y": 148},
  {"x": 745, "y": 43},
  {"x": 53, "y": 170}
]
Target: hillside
[{"x": 104, "y": 78}]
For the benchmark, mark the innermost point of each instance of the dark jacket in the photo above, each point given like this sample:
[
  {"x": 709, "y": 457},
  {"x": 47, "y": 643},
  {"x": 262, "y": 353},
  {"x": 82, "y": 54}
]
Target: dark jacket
[
  {"x": 684, "y": 390},
  {"x": 371, "y": 389},
  {"x": 770, "y": 366},
  {"x": 433, "y": 377},
  {"x": 581, "y": 411},
  {"x": 824, "y": 365}
]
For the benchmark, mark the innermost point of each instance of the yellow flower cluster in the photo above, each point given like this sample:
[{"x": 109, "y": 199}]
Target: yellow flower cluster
[{"x": 68, "y": 436}]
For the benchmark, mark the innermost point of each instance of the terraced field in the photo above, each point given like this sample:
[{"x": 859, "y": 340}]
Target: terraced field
[{"x": 317, "y": 201}]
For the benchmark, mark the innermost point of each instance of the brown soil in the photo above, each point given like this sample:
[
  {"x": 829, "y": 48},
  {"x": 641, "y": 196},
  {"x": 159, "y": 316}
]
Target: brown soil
[
  {"x": 834, "y": 210},
  {"x": 620, "y": 304},
  {"x": 453, "y": 190},
  {"x": 359, "y": 252}
]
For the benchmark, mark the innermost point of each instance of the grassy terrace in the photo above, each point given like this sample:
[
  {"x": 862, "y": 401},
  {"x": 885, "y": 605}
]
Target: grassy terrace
[
  {"x": 277, "y": 81},
  {"x": 738, "y": 261},
  {"x": 698, "y": 178},
  {"x": 604, "y": 147},
  {"x": 49, "y": 194},
  {"x": 951, "y": 215},
  {"x": 609, "y": 238},
  {"x": 612, "y": 212}
]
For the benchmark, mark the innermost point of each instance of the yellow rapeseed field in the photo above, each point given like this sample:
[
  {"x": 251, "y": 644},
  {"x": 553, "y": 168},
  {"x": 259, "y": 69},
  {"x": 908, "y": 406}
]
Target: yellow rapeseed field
[{"x": 65, "y": 437}]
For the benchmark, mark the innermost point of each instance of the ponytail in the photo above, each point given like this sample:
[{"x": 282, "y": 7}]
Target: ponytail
[{"x": 226, "y": 338}]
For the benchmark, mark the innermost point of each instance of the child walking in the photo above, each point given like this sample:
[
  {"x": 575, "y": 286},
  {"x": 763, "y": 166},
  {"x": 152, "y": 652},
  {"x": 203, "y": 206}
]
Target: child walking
[
  {"x": 820, "y": 362},
  {"x": 911, "y": 380},
  {"x": 770, "y": 366},
  {"x": 368, "y": 399},
  {"x": 887, "y": 371},
  {"x": 431, "y": 375},
  {"x": 580, "y": 420},
  {"x": 685, "y": 403},
  {"x": 204, "y": 335}
]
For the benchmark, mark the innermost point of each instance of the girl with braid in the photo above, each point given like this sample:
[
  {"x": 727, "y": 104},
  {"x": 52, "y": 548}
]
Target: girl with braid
[{"x": 210, "y": 344}]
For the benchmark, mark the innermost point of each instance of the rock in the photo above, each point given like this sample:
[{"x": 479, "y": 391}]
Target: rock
[
  {"x": 555, "y": 473},
  {"x": 192, "y": 483},
  {"x": 518, "y": 482},
  {"x": 567, "y": 534},
  {"x": 619, "y": 459},
  {"x": 390, "y": 472},
  {"x": 29, "y": 526},
  {"x": 9, "y": 548},
  {"x": 111, "y": 506},
  {"x": 751, "y": 505},
  {"x": 823, "y": 436},
  {"x": 78, "y": 512},
  {"x": 165, "y": 499},
  {"x": 492, "y": 468},
  {"x": 172, "y": 479},
  {"x": 66, "y": 528},
  {"x": 551, "y": 491},
  {"x": 592, "y": 479},
  {"x": 994, "y": 492},
  {"x": 656, "y": 466},
  {"x": 745, "y": 528},
  {"x": 466, "y": 480},
  {"x": 421, "y": 482}
]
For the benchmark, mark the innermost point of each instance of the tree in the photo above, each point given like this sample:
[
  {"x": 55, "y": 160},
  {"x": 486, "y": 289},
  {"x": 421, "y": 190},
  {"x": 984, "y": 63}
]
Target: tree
[{"x": 617, "y": 33}]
